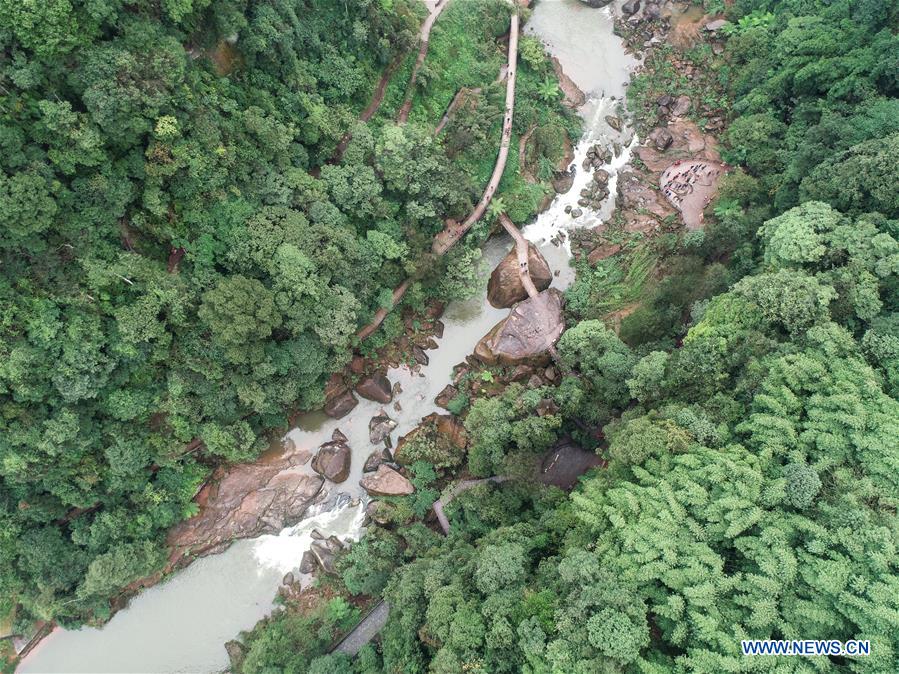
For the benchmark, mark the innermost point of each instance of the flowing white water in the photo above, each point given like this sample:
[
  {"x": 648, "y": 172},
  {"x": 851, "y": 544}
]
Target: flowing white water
[
  {"x": 182, "y": 624},
  {"x": 582, "y": 39}
]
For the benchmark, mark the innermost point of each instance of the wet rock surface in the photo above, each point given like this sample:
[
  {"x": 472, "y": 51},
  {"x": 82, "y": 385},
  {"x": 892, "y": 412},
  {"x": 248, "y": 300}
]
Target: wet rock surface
[
  {"x": 340, "y": 405},
  {"x": 504, "y": 287},
  {"x": 380, "y": 427},
  {"x": 386, "y": 482},
  {"x": 375, "y": 459},
  {"x": 375, "y": 387},
  {"x": 531, "y": 328},
  {"x": 333, "y": 458},
  {"x": 246, "y": 501}
]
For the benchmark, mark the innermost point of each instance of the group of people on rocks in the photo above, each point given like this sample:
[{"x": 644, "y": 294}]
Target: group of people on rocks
[{"x": 682, "y": 182}]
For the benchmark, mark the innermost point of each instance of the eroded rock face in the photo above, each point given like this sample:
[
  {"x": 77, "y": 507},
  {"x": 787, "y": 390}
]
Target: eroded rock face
[
  {"x": 380, "y": 427},
  {"x": 246, "y": 501},
  {"x": 376, "y": 387},
  {"x": 375, "y": 459},
  {"x": 504, "y": 288},
  {"x": 341, "y": 404},
  {"x": 333, "y": 459},
  {"x": 386, "y": 482},
  {"x": 446, "y": 395},
  {"x": 531, "y": 328}
]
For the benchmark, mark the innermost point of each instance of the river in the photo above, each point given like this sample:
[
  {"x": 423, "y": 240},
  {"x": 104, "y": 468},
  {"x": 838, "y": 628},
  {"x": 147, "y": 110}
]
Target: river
[{"x": 182, "y": 624}]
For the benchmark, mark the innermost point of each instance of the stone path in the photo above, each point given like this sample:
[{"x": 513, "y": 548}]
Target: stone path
[{"x": 365, "y": 631}]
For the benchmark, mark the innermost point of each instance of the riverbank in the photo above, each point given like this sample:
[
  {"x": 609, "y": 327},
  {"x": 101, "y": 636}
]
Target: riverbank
[{"x": 643, "y": 211}]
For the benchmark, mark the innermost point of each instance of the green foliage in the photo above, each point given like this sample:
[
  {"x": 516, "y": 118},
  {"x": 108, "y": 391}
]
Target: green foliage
[
  {"x": 180, "y": 264},
  {"x": 299, "y": 642},
  {"x": 604, "y": 363},
  {"x": 508, "y": 424}
]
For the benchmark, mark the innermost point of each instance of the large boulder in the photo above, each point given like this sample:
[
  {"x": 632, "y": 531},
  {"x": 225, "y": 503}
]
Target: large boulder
[
  {"x": 375, "y": 387},
  {"x": 532, "y": 327},
  {"x": 630, "y": 7},
  {"x": 325, "y": 553},
  {"x": 341, "y": 404},
  {"x": 504, "y": 288},
  {"x": 333, "y": 459},
  {"x": 380, "y": 427},
  {"x": 661, "y": 138},
  {"x": 375, "y": 459},
  {"x": 386, "y": 482},
  {"x": 446, "y": 395},
  {"x": 681, "y": 106},
  {"x": 246, "y": 501},
  {"x": 596, "y": 3}
]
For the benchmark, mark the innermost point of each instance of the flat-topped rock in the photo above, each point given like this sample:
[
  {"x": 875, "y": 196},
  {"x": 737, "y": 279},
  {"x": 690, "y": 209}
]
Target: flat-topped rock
[
  {"x": 386, "y": 482},
  {"x": 246, "y": 501},
  {"x": 505, "y": 289},
  {"x": 532, "y": 327}
]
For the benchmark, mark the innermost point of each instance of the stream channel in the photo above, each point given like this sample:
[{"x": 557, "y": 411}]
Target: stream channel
[{"x": 182, "y": 624}]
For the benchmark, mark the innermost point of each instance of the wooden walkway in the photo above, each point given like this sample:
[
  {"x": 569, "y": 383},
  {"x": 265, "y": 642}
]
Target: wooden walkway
[{"x": 447, "y": 238}]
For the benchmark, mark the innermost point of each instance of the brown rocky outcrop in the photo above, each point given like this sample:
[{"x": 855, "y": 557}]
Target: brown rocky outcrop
[
  {"x": 574, "y": 97},
  {"x": 375, "y": 459},
  {"x": 245, "y": 501},
  {"x": 603, "y": 251},
  {"x": 386, "y": 482},
  {"x": 505, "y": 289},
  {"x": 532, "y": 327},
  {"x": 333, "y": 458},
  {"x": 375, "y": 387},
  {"x": 450, "y": 427},
  {"x": 446, "y": 395},
  {"x": 341, "y": 404},
  {"x": 380, "y": 427}
]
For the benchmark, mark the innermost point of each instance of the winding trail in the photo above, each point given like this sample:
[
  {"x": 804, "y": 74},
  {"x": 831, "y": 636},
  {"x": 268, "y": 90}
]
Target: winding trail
[
  {"x": 435, "y": 9},
  {"x": 373, "y": 106},
  {"x": 447, "y": 238}
]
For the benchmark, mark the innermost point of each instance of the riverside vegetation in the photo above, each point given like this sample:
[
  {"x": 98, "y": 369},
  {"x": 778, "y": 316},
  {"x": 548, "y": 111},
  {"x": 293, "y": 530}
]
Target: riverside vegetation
[
  {"x": 183, "y": 262},
  {"x": 748, "y": 407}
]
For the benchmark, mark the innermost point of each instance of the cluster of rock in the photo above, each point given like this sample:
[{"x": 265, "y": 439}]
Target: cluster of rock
[
  {"x": 669, "y": 106},
  {"x": 596, "y": 192},
  {"x": 322, "y": 554},
  {"x": 597, "y": 157},
  {"x": 505, "y": 288}
]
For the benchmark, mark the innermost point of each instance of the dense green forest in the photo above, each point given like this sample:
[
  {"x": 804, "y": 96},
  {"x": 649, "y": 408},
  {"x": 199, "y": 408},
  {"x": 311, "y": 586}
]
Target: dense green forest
[
  {"x": 750, "y": 414},
  {"x": 183, "y": 262}
]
